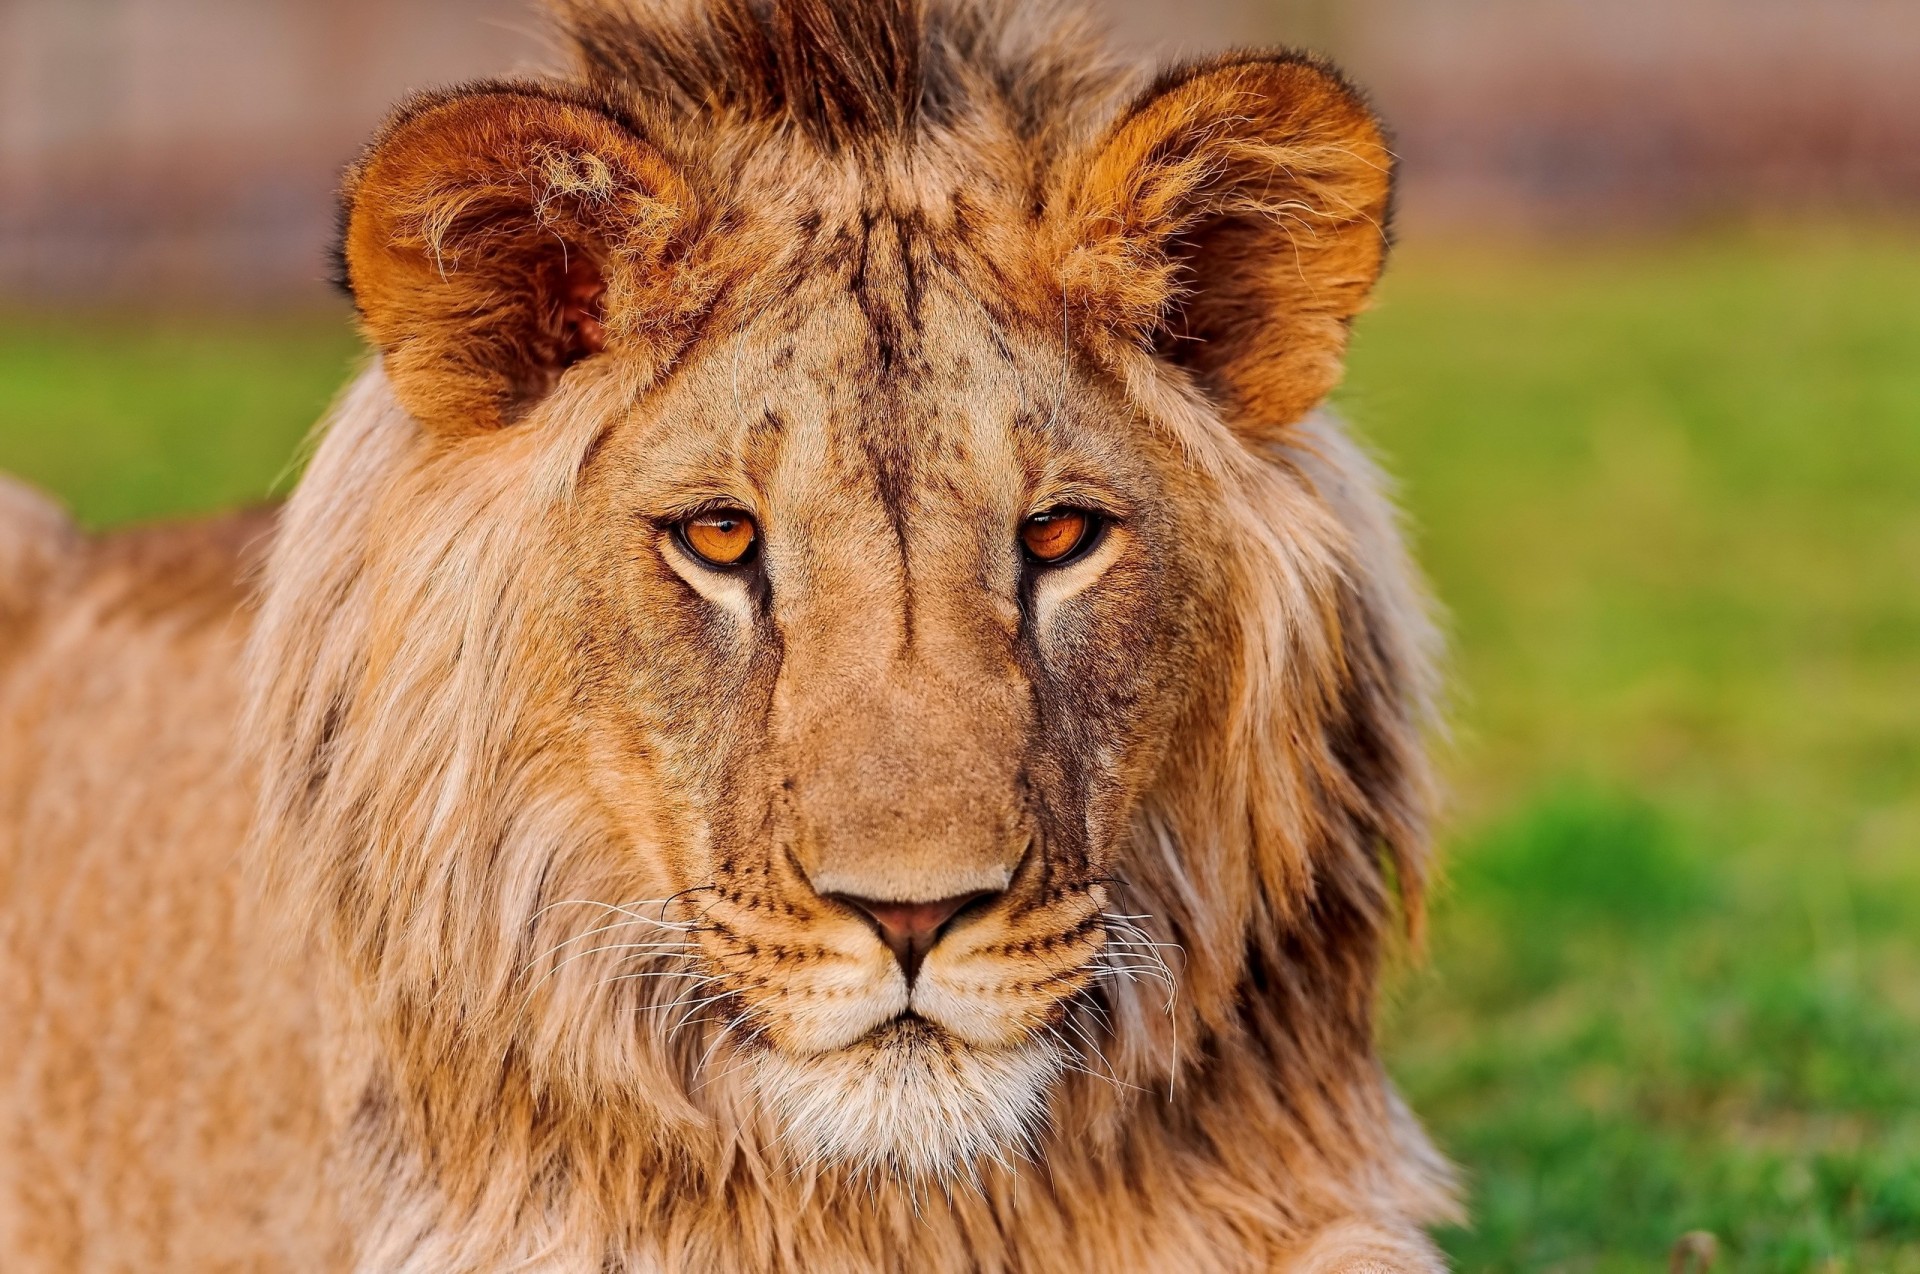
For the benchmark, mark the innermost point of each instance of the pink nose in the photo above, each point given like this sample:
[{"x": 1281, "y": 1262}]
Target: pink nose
[{"x": 911, "y": 928}]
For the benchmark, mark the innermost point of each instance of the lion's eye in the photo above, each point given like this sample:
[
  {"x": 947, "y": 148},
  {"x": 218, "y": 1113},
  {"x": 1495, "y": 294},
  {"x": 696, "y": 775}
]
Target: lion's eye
[
  {"x": 1058, "y": 535},
  {"x": 724, "y": 537}
]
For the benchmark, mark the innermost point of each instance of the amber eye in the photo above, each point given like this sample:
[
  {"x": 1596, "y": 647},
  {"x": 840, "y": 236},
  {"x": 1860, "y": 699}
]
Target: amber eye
[
  {"x": 724, "y": 537},
  {"x": 1058, "y": 534}
]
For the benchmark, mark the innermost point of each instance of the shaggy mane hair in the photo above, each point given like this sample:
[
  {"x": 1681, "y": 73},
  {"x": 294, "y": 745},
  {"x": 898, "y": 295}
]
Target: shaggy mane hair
[{"x": 847, "y": 74}]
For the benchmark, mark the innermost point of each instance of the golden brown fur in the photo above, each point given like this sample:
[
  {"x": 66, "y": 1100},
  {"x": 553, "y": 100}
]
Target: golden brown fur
[{"x": 503, "y": 928}]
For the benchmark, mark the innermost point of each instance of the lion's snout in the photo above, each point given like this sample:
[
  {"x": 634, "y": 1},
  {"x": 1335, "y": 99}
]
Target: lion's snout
[{"x": 903, "y": 788}]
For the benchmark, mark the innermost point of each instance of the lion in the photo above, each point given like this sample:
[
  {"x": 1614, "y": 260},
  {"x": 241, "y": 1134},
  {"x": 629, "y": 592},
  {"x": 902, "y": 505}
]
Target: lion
[{"x": 831, "y": 699}]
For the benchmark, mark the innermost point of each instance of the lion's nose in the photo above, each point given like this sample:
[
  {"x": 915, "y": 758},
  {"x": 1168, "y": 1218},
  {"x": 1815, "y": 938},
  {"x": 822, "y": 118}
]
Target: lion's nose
[{"x": 911, "y": 928}]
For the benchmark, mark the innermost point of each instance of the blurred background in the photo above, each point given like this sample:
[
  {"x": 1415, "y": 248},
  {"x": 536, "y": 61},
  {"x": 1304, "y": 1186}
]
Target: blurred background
[{"x": 1647, "y": 364}]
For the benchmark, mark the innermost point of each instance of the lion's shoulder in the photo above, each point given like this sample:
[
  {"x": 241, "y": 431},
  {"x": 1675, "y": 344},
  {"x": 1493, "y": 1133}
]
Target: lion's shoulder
[
  {"x": 37, "y": 542},
  {"x": 200, "y": 569},
  {"x": 187, "y": 574}
]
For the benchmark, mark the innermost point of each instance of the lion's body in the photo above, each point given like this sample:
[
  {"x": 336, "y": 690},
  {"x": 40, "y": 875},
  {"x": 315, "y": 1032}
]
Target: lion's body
[
  {"x": 160, "y": 1107},
  {"x": 458, "y": 871}
]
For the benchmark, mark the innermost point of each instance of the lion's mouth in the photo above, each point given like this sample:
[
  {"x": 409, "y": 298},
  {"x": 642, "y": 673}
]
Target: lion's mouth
[
  {"x": 905, "y": 1038},
  {"x": 905, "y": 1027}
]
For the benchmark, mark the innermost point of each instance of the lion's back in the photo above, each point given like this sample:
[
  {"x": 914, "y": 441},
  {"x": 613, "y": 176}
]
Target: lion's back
[
  {"x": 37, "y": 540},
  {"x": 154, "y": 1082}
]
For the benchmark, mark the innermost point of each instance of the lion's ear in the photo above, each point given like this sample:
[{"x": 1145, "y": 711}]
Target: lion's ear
[
  {"x": 495, "y": 236},
  {"x": 1234, "y": 219}
]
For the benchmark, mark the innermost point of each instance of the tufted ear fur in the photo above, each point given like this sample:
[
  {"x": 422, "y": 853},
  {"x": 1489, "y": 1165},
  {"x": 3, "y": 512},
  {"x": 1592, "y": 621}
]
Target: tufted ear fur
[
  {"x": 495, "y": 235},
  {"x": 1233, "y": 219}
]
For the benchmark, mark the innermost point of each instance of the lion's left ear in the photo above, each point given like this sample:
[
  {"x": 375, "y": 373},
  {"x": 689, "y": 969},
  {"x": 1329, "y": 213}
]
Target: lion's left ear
[
  {"x": 496, "y": 235},
  {"x": 1233, "y": 220}
]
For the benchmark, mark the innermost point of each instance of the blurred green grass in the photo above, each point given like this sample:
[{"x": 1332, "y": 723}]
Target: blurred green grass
[
  {"x": 129, "y": 419},
  {"x": 1670, "y": 495}
]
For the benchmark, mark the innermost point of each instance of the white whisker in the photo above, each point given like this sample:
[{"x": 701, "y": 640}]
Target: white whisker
[
  {"x": 625, "y": 909},
  {"x": 659, "y": 951}
]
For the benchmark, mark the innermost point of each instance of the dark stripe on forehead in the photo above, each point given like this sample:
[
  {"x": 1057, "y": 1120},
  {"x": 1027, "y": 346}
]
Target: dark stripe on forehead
[
  {"x": 910, "y": 233},
  {"x": 882, "y": 438},
  {"x": 759, "y": 443},
  {"x": 889, "y": 456},
  {"x": 890, "y": 283},
  {"x": 887, "y": 277},
  {"x": 865, "y": 284}
]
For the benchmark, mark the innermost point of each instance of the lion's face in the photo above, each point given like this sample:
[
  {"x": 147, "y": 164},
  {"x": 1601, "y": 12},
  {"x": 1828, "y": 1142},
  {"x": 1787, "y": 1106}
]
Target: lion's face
[
  {"x": 882, "y": 760},
  {"x": 800, "y": 589}
]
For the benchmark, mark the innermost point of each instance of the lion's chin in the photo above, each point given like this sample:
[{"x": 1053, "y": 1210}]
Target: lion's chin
[{"x": 908, "y": 1101}]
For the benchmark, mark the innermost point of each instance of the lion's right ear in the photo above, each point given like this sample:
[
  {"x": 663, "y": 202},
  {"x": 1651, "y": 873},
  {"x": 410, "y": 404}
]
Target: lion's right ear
[{"x": 495, "y": 236}]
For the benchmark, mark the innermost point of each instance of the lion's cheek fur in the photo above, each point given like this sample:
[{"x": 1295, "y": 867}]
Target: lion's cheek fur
[
  {"x": 993, "y": 1007},
  {"x": 831, "y": 1004}
]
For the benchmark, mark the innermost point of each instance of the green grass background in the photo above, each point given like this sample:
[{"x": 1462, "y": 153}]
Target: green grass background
[{"x": 1670, "y": 496}]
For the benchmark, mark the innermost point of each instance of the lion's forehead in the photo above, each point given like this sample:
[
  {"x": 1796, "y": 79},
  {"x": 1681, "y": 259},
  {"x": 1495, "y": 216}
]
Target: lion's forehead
[{"x": 846, "y": 388}]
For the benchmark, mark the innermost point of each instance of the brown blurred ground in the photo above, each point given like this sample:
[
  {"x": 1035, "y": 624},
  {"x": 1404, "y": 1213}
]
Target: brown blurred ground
[{"x": 163, "y": 148}]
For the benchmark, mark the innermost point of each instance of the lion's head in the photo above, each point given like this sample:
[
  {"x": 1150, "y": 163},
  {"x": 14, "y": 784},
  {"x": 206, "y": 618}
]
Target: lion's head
[{"x": 831, "y": 627}]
